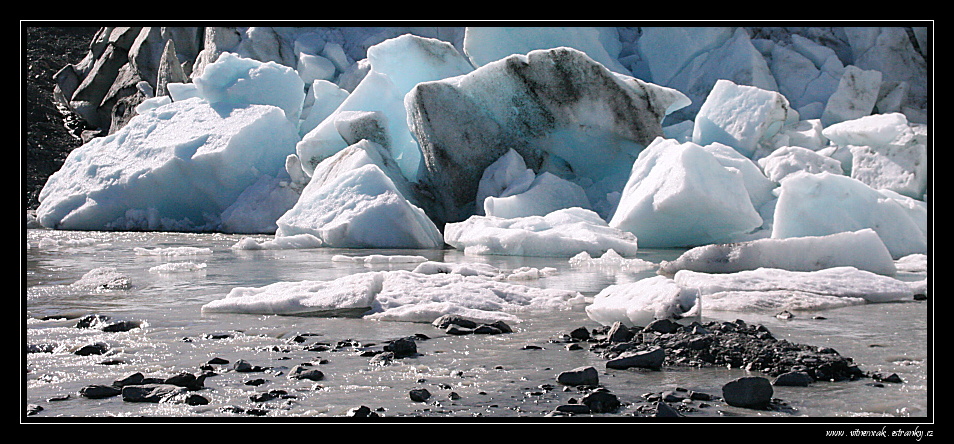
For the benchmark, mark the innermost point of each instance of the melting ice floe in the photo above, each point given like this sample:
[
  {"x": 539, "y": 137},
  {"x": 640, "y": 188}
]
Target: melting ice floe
[{"x": 396, "y": 295}]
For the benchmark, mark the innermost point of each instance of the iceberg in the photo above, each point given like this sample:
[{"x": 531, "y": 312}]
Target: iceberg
[
  {"x": 396, "y": 296},
  {"x": 862, "y": 249},
  {"x": 790, "y": 159},
  {"x": 855, "y": 97},
  {"x": 177, "y": 167},
  {"x": 640, "y": 303},
  {"x": 396, "y": 66},
  {"x": 680, "y": 195},
  {"x": 558, "y": 108},
  {"x": 486, "y": 44},
  {"x": 507, "y": 176},
  {"x": 546, "y": 194},
  {"x": 825, "y": 203},
  {"x": 742, "y": 117},
  {"x": 887, "y": 152},
  {"x": 562, "y": 233},
  {"x": 776, "y": 289},
  {"x": 237, "y": 80}
]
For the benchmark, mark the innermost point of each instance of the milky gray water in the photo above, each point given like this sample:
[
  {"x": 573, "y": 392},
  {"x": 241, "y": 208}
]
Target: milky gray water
[{"x": 490, "y": 376}]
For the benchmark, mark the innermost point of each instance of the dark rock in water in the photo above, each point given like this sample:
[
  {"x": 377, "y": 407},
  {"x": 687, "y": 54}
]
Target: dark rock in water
[
  {"x": 92, "y": 349},
  {"x": 90, "y": 321},
  {"x": 402, "y": 347},
  {"x": 601, "y": 401},
  {"x": 894, "y": 378},
  {"x": 194, "y": 399},
  {"x": 793, "y": 379},
  {"x": 663, "y": 410},
  {"x": 454, "y": 329},
  {"x": 578, "y": 409},
  {"x": 255, "y": 382},
  {"x": 302, "y": 372},
  {"x": 217, "y": 360},
  {"x": 446, "y": 320},
  {"x": 361, "y": 412},
  {"x": 133, "y": 379},
  {"x": 662, "y": 326},
  {"x": 580, "y": 334},
  {"x": 419, "y": 395},
  {"x": 217, "y": 336},
  {"x": 579, "y": 376},
  {"x": 699, "y": 396},
  {"x": 99, "y": 391},
  {"x": 749, "y": 392},
  {"x": 619, "y": 333},
  {"x": 149, "y": 392},
  {"x": 485, "y": 329},
  {"x": 112, "y": 362},
  {"x": 40, "y": 348},
  {"x": 785, "y": 315},
  {"x": 270, "y": 396},
  {"x": 243, "y": 366},
  {"x": 186, "y": 380},
  {"x": 33, "y": 409},
  {"x": 382, "y": 359},
  {"x": 502, "y": 326},
  {"x": 121, "y": 326},
  {"x": 651, "y": 359}
]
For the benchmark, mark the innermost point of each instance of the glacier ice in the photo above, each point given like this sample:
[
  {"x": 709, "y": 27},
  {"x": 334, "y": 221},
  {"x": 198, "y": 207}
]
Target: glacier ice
[
  {"x": 485, "y": 44},
  {"x": 396, "y": 295},
  {"x": 680, "y": 195},
  {"x": 641, "y": 302},
  {"x": 176, "y": 167},
  {"x": 862, "y": 249},
  {"x": 825, "y": 203},
  {"x": 562, "y": 233}
]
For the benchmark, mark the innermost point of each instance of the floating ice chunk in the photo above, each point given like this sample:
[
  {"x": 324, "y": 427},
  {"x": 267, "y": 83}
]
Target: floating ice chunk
[
  {"x": 298, "y": 241},
  {"x": 485, "y": 44},
  {"x": 507, "y": 176},
  {"x": 178, "y": 267},
  {"x": 886, "y": 152},
  {"x": 641, "y": 302},
  {"x": 397, "y": 296},
  {"x": 862, "y": 249},
  {"x": 855, "y": 97},
  {"x": 546, "y": 194},
  {"x": 172, "y": 251},
  {"x": 359, "y": 208},
  {"x": 467, "y": 269},
  {"x": 610, "y": 260},
  {"x": 177, "y": 167},
  {"x": 680, "y": 195},
  {"x": 825, "y": 203},
  {"x": 563, "y": 233},
  {"x": 259, "y": 206},
  {"x": 396, "y": 65},
  {"x": 325, "y": 98},
  {"x": 913, "y": 263},
  {"x": 466, "y": 123},
  {"x": 236, "y": 80},
  {"x": 103, "y": 279},
  {"x": 769, "y": 288},
  {"x": 741, "y": 116},
  {"x": 760, "y": 188},
  {"x": 530, "y": 273},
  {"x": 379, "y": 259},
  {"x": 789, "y": 159}
]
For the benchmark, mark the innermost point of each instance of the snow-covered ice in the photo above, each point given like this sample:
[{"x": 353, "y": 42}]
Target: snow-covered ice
[
  {"x": 397, "y": 296},
  {"x": 562, "y": 233},
  {"x": 641, "y": 302}
]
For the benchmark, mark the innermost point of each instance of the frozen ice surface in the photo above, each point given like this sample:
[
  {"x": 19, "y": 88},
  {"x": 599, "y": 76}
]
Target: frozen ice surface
[
  {"x": 379, "y": 259},
  {"x": 297, "y": 241},
  {"x": 546, "y": 194},
  {"x": 855, "y": 97},
  {"x": 641, "y": 302},
  {"x": 681, "y": 195},
  {"x": 237, "y": 80},
  {"x": 177, "y": 167},
  {"x": 776, "y": 289},
  {"x": 862, "y": 249},
  {"x": 825, "y": 203},
  {"x": 485, "y": 44},
  {"x": 396, "y": 296},
  {"x": 507, "y": 176},
  {"x": 611, "y": 260},
  {"x": 562, "y": 233},
  {"x": 172, "y": 251}
]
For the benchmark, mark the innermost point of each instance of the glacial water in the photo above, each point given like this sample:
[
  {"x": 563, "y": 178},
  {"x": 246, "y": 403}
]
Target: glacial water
[{"x": 490, "y": 376}]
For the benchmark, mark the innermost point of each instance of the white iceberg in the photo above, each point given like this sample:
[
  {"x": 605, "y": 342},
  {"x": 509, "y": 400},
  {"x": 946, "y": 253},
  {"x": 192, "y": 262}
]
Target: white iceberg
[
  {"x": 861, "y": 249},
  {"x": 546, "y": 194},
  {"x": 789, "y": 159},
  {"x": 396, "y": 296},
  {"x": 610, "y": 260},
  {"x": 855, "y": 97},
  {"x": 177, "y": 167},
  {"x": 641, "y": 302},
  {"x": 237, "y": 80},
  {"x": 825, "y": 203},
  {"x": 680, "y": 195},
  {"x": 774, "y": 289},
  {"x": 562, "y": 233}
]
